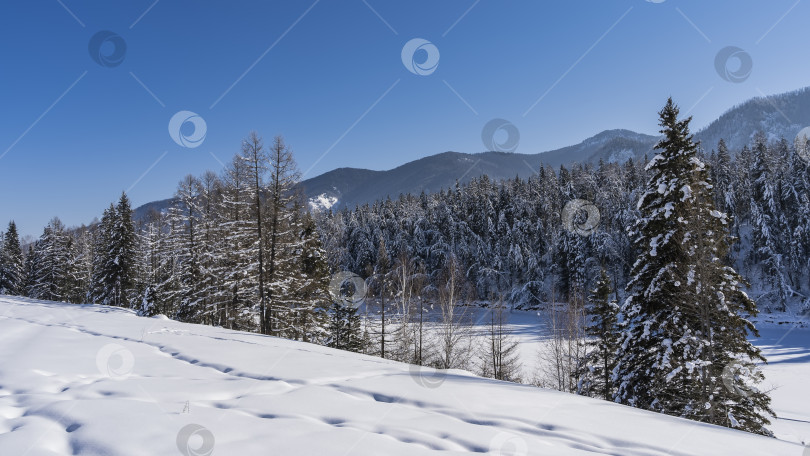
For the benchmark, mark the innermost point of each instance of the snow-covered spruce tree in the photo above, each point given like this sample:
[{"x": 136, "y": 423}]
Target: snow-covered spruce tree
[
  {"x": 101, "y": 279},
  {"x": 237, "y": 267},
  {"x": 51, "y": 274},
  {"x": 169, "y": 290},
  {"x": 148, "y": 261},
  {"x": 684, "y": 318},
  {"x": 12, "y": 267},
  {"x": 798, "y": 194},
  {"x": 113, "y": 278},
  {"x": 147, "y": 307},
  {"x": 723, "y": 179},
  {"x": 344, "y": 327},
  {"x": 768, "y": 223},
  {"x": 81, "y": 263},
  {"x": 308, "y": 298},
  {"x": 124, "y": 245},
  {"x": 188, "y": 242},
  {"x": 600, "y": 360}
]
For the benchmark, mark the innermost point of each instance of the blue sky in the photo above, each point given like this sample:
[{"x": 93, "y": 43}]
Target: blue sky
[{"x": 329, "y": 77}]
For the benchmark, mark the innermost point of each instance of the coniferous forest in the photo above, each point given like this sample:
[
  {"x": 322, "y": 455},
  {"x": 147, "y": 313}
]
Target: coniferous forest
[{"x": 641, "y": 268}]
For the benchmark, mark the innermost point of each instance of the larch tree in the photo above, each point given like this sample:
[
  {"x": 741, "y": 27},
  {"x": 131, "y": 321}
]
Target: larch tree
[
  {"x": 237, "y": 266},
  {"x": 254, "y": 157},
  {"x": 188, "y": 244},
  {"x": 283, "y": 242}
]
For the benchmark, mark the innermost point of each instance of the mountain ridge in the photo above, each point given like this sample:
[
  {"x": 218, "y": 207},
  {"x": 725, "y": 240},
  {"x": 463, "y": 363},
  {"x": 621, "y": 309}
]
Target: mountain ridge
[{"x": 779, "y": 116}]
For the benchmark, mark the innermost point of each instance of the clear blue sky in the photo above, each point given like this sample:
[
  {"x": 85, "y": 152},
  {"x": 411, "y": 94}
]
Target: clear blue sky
[{"x": 596, "y": 64}]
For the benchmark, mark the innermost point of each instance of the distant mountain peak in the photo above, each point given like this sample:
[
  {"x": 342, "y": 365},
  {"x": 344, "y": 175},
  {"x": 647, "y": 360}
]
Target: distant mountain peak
[{"x": 778, "y": 116}]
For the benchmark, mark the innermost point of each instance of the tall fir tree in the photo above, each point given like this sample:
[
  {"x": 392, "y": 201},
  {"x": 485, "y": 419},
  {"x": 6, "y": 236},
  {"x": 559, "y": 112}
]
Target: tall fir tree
[
  {"x": 114, "y": 274},
  {"x": 101, "y": 280},
  {"x": 602, "y": 312},
  {"x": 308, "y": 298},
  {"x": 12, "y": 266},
  {"x": 124, "y": 243},
  {"x": 684, "y": 318}
]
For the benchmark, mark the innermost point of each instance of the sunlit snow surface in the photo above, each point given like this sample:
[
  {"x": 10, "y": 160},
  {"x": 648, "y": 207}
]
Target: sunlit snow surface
[{"x": 101, "y": 381}]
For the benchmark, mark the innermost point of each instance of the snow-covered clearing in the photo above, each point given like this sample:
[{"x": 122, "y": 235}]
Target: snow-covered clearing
[
  {"x": 97, "y": 380},
  {"x": 784, "y": 340}
]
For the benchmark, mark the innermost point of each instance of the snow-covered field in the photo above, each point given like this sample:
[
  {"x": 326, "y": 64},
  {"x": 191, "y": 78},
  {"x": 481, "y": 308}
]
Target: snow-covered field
[
  {"x": 101, "y": 381},
  {"x": 784, "y": 340}
]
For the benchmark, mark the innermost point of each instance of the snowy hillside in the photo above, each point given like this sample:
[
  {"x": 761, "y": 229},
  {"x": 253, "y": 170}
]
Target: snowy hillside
[{"x": 95, "y": 380}]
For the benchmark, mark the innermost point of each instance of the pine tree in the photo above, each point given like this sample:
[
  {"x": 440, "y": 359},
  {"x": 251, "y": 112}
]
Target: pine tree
[
  {"x": 595, "y": 378},
  {"x": 684, "y": 318},
  {"x": 12, "y": 267}
]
